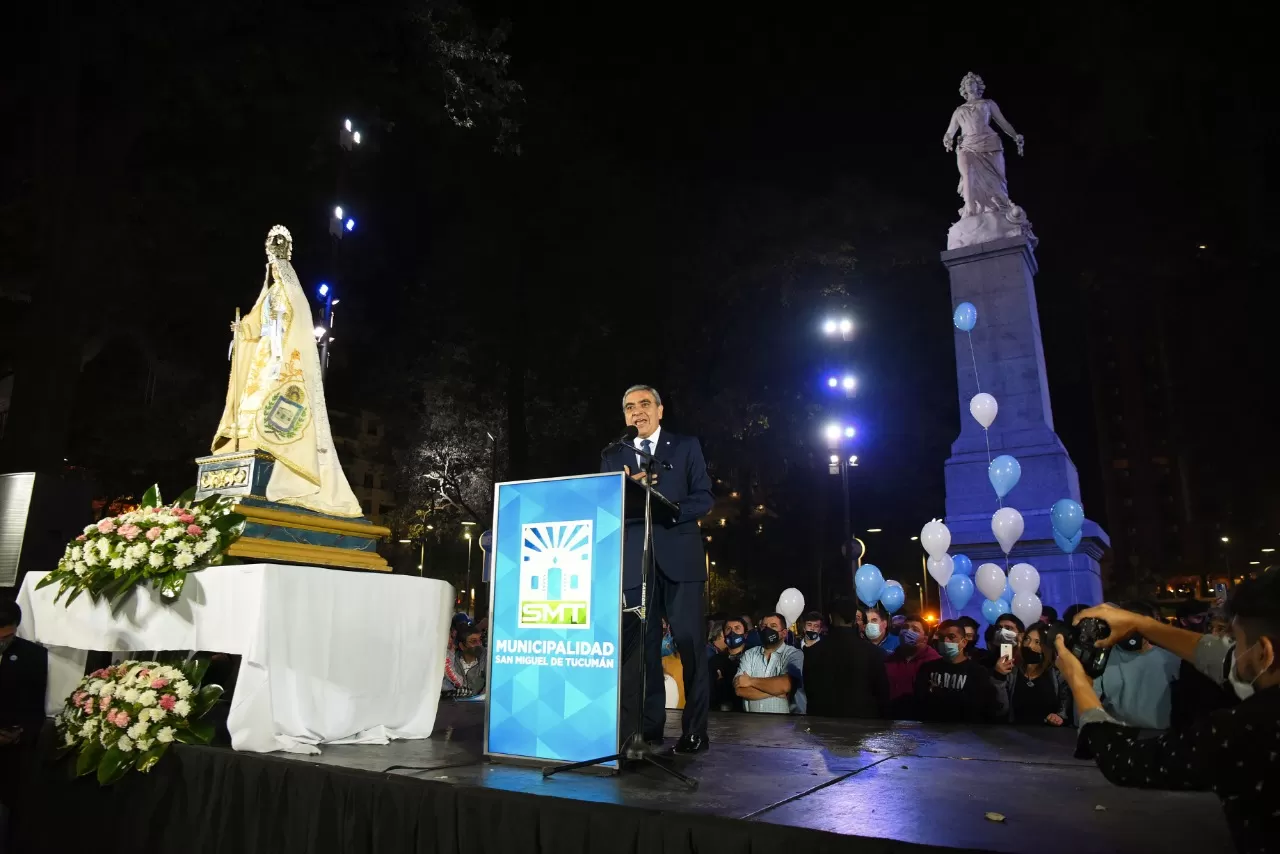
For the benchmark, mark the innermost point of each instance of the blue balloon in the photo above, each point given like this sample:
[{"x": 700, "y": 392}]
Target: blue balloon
[
  {"x": 1067, "y": 517},
  {"x": 892, "y": 598},
  {"x": 1007, "y": 596},
  {"x": 959, "y": 590},
  {"x": 869, "y": 583},
  {"x": 966, "y": 317},
  {"x": 961, "y": 565},
  {"x": 1004, "y": 472},
  {"x": 1068, "y": 545},
  {"x": 993, "y": 608}
]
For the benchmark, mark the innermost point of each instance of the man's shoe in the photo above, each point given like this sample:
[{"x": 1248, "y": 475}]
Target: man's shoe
[{"x": 691, "y": 743}]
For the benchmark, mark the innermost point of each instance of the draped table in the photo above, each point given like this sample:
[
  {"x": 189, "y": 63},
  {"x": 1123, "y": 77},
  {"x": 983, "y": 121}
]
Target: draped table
[{"x": 327, "y": 656}]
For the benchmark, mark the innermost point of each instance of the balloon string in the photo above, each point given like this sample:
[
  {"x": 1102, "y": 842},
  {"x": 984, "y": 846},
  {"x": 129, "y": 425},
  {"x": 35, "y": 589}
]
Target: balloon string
[{"x": 974, "y": 357}]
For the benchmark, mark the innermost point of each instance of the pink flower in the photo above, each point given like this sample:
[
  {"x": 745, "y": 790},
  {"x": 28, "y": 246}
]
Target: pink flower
[
  {"x": 167, "y": 702},
  {"x": 88, "y": 706},
  {"x": 186, "y": 518},
  {"x": 130, "y": 532},
  {"x": 104, "y": 704},
  {"x": 195, "y": 530},
  {"x": 159, "y": 683},
  {"x": 80, "y": 539},
  {"x": 100, "y": 673},
  {"x": 153, "y": 533},
  {"x": 122, "y": 720},
  {"x": 106, "y": 526}
]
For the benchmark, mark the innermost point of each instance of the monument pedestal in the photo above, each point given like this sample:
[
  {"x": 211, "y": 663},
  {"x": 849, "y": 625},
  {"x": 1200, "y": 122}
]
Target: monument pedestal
[
  {"x": 998, "y": 277},
  {"x": 282, "y": 533}
]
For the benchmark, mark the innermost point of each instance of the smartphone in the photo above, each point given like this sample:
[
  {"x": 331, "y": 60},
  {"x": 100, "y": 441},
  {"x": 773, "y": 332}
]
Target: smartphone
[{"x": 1006, "y": 650}]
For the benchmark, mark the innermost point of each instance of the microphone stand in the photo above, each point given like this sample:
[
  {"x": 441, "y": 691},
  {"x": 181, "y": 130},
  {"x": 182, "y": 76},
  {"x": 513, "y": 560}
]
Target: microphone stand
[{"x": 634, "y": 747}]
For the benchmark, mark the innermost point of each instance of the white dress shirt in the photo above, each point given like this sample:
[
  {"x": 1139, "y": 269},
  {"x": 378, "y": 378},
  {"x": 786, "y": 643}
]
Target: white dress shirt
[{"x": 653, "y": 448}]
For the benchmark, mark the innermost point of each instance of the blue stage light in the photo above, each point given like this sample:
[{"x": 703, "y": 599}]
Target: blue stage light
[
  {"x": 832, "y": 382},
  {"x": 351, "y": 225},
  {"x": 323, "y": 289}
]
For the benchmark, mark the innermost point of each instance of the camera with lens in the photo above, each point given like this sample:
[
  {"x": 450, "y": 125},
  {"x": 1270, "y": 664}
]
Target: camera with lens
[{"x": 1082, "y": 640}]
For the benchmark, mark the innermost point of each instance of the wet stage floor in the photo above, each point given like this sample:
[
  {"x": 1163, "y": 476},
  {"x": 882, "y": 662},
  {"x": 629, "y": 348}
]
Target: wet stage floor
[{"x": 912, "y": 782}]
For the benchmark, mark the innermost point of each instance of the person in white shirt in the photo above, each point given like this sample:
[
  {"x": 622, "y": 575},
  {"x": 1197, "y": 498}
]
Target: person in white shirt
[{"x": 771, "y": 673}]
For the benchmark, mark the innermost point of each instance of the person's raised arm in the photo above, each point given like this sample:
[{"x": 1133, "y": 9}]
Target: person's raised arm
[{"x": 1180, "y": 642}]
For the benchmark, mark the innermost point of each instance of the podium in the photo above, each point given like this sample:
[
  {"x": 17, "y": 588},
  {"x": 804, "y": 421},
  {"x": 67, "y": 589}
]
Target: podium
[{"x": 555, "y": 620}]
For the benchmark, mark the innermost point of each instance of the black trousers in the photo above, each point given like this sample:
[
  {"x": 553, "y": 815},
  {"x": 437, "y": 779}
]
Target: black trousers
[{"x": 681, "y": 603}]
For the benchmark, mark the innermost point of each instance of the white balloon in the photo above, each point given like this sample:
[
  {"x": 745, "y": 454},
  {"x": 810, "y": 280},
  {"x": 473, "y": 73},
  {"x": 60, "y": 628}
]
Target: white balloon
[
  {"x": 990, "y": 580},
  {"x": 1024, "y": 578},
  {"x": 790, "y": 604},
  {"x": 983, "y": 408},
  {"x": 1027, "y": 607},
  {"x": 940, "y": 567},
  {"x": 891, "y": 583},
  {"x": 936, "y": 538},
  {"x": 1007, "y": 525}
]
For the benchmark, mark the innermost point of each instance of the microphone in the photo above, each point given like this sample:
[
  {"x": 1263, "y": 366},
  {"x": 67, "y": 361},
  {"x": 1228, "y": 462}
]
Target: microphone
[{"x": 628, "y": 436}]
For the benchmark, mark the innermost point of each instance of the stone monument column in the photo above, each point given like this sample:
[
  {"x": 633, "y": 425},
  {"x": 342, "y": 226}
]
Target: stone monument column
[
  {"x": 998, "y": 277},
  {"x": 991, "y": 261}
]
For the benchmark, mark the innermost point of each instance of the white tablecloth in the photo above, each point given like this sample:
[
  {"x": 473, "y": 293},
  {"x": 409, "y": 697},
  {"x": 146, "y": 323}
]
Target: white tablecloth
[{"x": 327, "y": 656}]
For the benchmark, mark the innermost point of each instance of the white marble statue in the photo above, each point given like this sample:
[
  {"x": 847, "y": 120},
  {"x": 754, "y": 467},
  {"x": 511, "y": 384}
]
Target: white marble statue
[{"x": 988, "y": 213}]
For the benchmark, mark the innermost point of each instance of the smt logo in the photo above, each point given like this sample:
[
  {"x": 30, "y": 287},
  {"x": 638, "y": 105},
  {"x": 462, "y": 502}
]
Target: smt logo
[{"x": 555, "y": 575}]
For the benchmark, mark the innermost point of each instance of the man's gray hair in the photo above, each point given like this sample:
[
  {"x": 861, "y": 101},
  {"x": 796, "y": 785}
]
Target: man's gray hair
[
  {"x": 657, "y": 398},
  {"x": 716, "y": 630}
]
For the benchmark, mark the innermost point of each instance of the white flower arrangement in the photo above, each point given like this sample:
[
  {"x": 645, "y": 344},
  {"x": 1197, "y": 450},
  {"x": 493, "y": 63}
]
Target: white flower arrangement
[
  {"x": 156, "y": 543},
  {"x": 111, "y": 720}
]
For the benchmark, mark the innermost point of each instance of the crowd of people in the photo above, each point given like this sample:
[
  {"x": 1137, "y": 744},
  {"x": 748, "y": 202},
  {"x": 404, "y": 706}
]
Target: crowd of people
[{"x": 858, "y": 661}]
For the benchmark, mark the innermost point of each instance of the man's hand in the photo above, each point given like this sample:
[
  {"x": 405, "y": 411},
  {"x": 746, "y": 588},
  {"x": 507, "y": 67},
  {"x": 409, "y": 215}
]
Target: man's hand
[
  {"x": 742, "y": 680},
  {"x": 1123, "y": 623},
  {"x": 1068, "y": 665},
  {"x": 1004, "y": 666},
  {"x": 1054, "y": 720},
  {"x": 639, "y": 477}
]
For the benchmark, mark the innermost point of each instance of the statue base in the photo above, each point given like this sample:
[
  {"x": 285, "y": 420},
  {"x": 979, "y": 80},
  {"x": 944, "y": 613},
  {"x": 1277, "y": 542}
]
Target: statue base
[
  {"x": 991, "y": 225},
  {"x": 282, "y": 533}
]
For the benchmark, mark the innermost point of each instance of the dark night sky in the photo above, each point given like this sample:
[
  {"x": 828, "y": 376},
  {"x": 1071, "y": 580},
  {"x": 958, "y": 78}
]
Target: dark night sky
[{"x": 660, "y": 146}]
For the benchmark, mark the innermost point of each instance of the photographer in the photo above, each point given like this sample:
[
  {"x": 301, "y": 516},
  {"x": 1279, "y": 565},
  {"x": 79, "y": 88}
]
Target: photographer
[{"x": 1232, "y": 751}]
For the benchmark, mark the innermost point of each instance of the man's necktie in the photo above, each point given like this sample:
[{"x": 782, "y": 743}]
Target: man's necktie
[{"x": 647, "y": 447}]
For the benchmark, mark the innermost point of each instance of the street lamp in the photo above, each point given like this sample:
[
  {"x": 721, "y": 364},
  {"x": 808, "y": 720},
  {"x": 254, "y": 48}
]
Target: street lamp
[
  {"x": 340, "y": 222},
  {"x": 467, "y": 584},
  {"x": 348, "y": 136}
]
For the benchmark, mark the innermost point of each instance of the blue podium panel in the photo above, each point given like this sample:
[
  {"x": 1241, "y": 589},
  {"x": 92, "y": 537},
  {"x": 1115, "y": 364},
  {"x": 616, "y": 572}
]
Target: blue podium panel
[{"x": 555, "y": 619}]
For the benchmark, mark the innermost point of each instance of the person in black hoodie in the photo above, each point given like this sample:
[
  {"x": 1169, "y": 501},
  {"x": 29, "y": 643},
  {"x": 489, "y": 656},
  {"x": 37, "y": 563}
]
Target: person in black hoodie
[
  {"x": 844, "y": 675},
  {"x": 957, "y": 688}
]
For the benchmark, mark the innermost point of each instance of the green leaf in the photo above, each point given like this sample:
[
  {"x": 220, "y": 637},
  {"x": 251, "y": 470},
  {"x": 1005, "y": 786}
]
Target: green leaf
[
  {"x": 90, "y": 756},
  {"x": 228, "y": 523},
  {"x": 204, "y": 701},
  {"x": 195, "y": 670},
  {"x": 51, "y": 578},
  {"x": 74, "y": 593},
  {"x": 152, "y": 497},
  {"x": 187, "y": 497},
  {"x": 149, "y": 758},
  {"x": 113, "y": 765},
  {"x": 195, "y": 732},
  {"x": 170, "y": 585}
]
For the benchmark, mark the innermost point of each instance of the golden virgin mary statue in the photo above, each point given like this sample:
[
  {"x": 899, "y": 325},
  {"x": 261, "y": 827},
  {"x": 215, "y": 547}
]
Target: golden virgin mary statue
[{"x": 275, "y": 399}]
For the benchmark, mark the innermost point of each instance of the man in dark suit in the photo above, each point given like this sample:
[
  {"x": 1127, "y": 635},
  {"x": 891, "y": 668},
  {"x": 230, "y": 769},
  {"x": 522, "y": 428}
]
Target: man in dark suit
[
  {"x": 679, "y": 573},
  {"x": 24, "y": 668},
  {"x": 844, "y": 675}
]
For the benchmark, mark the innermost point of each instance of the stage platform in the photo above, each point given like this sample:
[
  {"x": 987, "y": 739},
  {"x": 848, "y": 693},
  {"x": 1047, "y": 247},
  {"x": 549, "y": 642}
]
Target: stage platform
[{"x": 768, "y": 783}]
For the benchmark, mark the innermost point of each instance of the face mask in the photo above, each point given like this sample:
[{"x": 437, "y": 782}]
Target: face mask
[
  {"x": 1007, "y": 635},
  {"x": 768, "y": 636},
  {"x": 1244, "y": 690},
  {"x": 811, "y": 636},
  {"x": 1030, "y": 656},
  {"x": 733, "y": 640},
  {"x": 668, "y": 645},
  {"x": 873, "y": 631},
  {"x": 908, "y": 637},
  {"x": 950, "y": 649}
]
